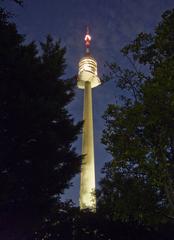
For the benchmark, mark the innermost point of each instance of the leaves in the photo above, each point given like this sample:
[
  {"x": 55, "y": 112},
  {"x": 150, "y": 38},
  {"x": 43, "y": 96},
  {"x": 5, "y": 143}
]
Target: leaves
[
  {"x": 139, "y": 130},
  {"x": 37, "y": 160}
]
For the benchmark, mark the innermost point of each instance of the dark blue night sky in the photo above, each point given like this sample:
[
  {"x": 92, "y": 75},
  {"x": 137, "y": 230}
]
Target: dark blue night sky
[{"x": 112, "y": 23}]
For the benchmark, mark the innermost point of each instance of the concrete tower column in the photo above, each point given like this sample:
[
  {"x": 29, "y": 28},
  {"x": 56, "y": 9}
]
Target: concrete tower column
[{"x": 87, "y": 184}]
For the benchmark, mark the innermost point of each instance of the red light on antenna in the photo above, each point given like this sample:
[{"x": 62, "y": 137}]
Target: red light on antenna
[
  {"x": 87, "y": 37},
  {"x": 87, "y": 40}
]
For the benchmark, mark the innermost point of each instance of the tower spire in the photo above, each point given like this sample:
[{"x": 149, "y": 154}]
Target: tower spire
[{"x": 87, "y": 40}]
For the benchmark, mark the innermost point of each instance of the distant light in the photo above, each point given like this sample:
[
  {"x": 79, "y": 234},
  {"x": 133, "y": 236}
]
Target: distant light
[
  {"x": 87, "y": 40},
  {"x": 87, "y": 37}
]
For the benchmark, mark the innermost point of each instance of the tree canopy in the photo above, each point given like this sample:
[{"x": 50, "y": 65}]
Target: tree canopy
[
  {"x": 139, "y": 132},
  {"x": 37, "y": 160}
]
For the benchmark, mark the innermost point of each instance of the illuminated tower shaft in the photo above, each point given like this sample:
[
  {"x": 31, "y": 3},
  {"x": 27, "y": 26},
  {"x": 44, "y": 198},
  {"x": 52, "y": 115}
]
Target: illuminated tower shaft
[
  {"x": 87, "y": 184},
  {"x": 87, "y": 79}
]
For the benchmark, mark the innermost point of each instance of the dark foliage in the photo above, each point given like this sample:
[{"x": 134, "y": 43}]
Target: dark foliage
[
  {"x": 71, "y": 224},
  {"x": 139, "y": 133},
  {"x": 37, "y": 160}
]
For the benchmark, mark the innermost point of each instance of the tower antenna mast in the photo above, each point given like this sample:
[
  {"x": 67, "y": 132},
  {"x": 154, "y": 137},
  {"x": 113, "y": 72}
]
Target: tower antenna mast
[{"x": 87, "y": 40}]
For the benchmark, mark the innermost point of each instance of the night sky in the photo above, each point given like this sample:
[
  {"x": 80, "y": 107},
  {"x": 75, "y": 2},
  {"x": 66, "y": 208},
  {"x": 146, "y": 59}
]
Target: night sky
[{"x": 112, "y": 24}]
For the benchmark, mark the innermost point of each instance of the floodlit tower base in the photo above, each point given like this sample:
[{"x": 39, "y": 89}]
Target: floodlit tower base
[{"x": 87, "y": 185}]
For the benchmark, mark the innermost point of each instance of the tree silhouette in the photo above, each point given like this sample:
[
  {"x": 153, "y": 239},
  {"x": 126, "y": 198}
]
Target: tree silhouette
[
  {"x": 139, "y": 181},
  {"x": 37, "y": 160}
]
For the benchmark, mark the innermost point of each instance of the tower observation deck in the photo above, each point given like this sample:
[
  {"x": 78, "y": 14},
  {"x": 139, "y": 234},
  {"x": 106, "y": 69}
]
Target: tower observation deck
[{"x": 87, "y": 79}]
